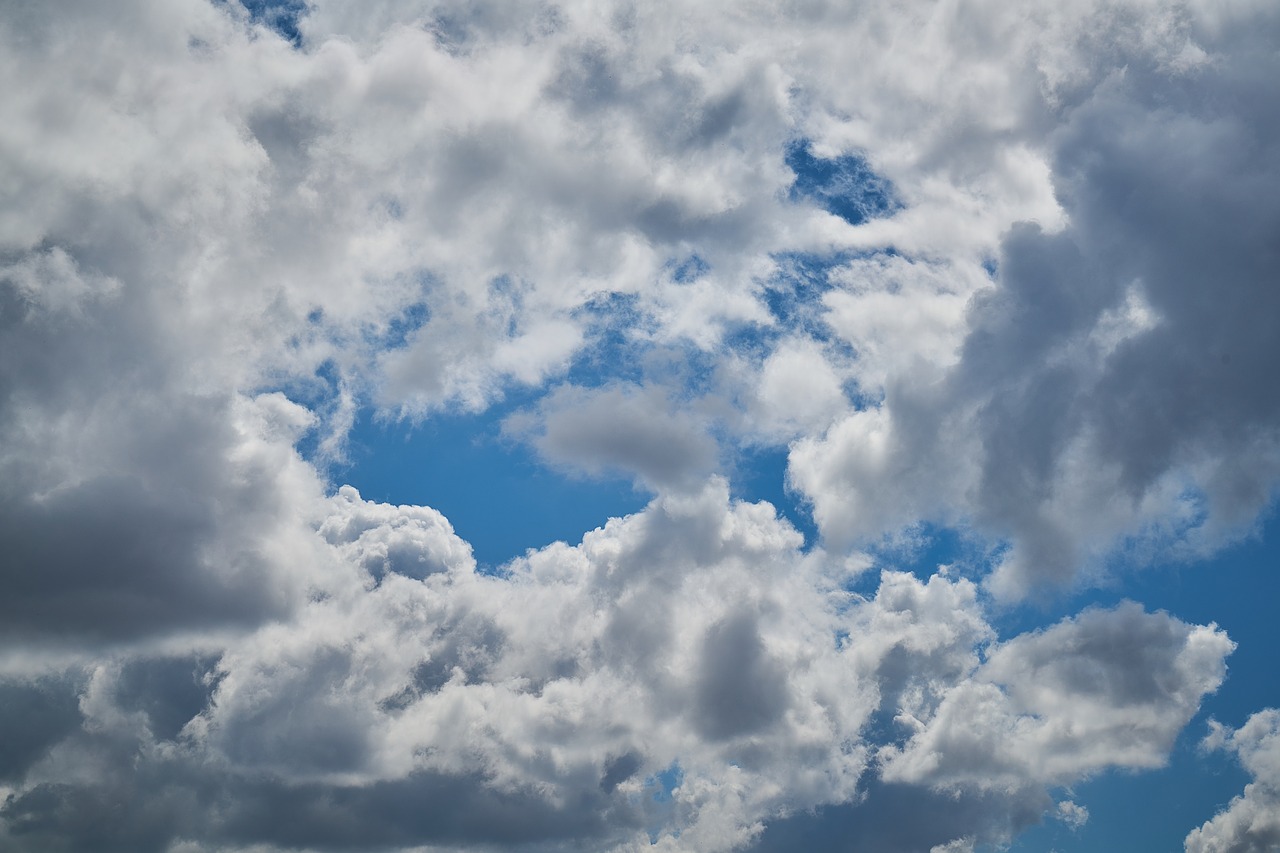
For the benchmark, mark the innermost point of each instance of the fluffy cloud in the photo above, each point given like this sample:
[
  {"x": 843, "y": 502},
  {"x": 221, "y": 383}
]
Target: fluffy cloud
[
  {"x": 693, "y": 642},
  {"x": 1105, "y": 687},
  {"x": 1250, "y": 822},
  {"x": 1109, "y": 386},
  {"x": 985, "y": 266}
]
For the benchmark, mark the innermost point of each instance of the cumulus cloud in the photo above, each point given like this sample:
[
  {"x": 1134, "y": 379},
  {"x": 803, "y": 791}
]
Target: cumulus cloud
[
  {"x": 1001, "y": 268},
  {"x": 1098, "y": 397},
  {"x": 1105, "y": 687},
  {"x": 549, "y": 701},
  {"x": 1250, "y": 822}
]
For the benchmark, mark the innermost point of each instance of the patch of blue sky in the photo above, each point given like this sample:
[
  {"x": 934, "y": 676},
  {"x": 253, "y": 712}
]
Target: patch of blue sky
[
  {"x": 399, "y": 329},
  {"x": 688, "y": 269},
  {"x": 924, "y": 550},
  {"x": 664, "y": 783},
  {"x": 320, "y": 394},
  {"x": 283, "y": 16},
  {"x": 496, "y": 493},
  {"x": 660, "y": 789},
  {"x": 793, "y": 294},
  {"x": 844, "y": 185}
]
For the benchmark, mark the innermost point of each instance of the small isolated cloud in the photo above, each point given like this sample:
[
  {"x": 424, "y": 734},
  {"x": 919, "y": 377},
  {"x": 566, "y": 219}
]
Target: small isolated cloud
[
  {"x": 1072, "y": 814},
  {"x": 624, "y": 429}
]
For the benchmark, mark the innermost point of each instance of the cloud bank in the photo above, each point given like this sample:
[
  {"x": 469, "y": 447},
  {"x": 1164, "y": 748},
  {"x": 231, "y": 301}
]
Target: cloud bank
[{"x": 1008, "y": 271}]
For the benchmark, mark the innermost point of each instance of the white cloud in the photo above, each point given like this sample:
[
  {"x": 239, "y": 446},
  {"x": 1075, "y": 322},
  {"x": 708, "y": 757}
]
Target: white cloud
[
  {"x": 1072, "y": 814},
  {"x": 213, "y": 245},
  {"x": 798, "y": 391},
  {"x": 1099, "y": 400},
  {"x": 1104, "y": 688},
  {"x": 1250, "y": 824},
  {"x": 694, "y": 634}
]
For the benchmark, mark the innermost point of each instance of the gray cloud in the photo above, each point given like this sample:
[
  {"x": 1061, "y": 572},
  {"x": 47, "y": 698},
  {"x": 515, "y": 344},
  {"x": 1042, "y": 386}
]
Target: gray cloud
[
  {"x": 532, "y": 710},
  {"x": 44, "y": 710},
  {"x": 907, "y": 819},
  {"x": 623, "y": 429},
  {"x": 215, "y": 243},
  {"x": 1117, "y": 360},
  {"x": 1249, "y": 824},
  {"x": 740, "y": 688}
]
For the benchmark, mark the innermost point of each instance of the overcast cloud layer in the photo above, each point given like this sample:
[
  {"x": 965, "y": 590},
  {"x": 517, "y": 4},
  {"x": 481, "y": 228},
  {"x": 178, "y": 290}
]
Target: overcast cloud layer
[{"x": 1011, "y": 269}]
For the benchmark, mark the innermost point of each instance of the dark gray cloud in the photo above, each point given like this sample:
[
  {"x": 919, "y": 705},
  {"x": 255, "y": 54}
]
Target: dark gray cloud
[
  {"x": 907, "y": 819},
  {"x": 119, "y": 515},
  {"x": 37, "y": 714},
  {"x": 1172, "y": 191},
  {"x": 151, "y": 810}
]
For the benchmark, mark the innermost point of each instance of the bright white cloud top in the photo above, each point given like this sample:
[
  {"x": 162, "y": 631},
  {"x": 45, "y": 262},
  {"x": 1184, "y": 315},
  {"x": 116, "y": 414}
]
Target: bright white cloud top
[{"x": 1008, "y": 270}]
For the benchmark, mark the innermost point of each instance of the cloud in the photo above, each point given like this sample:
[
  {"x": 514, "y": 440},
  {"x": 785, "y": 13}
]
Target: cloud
[
  {"x": 694, "y": 634},
  {"x": 414, "y": 541},
  {"x": 620, "y": 429},
  {"x": 1011, "y": 275},
  {"x": 1249, "y": 822},
  {"x": 1103, "y": 687},
  {"x": 1111, "y": 380}
]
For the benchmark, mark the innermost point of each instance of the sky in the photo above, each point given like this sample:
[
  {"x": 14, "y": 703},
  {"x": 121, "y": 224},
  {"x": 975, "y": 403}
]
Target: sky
[{"x": 701, "y": 426}]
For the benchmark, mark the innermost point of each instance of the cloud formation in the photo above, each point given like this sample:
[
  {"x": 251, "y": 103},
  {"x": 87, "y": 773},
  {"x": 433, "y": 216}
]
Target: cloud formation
[
  {"x": 1005, "y": 270},
  {"x": 1250, "y": 822},
  {"x": 1109, "y": 387},
  {"x": 693, "y": 638}
]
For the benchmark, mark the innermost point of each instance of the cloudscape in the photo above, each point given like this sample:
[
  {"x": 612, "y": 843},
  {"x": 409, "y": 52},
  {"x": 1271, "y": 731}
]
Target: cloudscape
[{"x": 521, "y": 425}]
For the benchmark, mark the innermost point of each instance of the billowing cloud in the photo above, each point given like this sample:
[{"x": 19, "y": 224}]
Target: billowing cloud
[
  {"x": 1110, "y": 385},
  {"x": 692, "y": 642},
  {"x": 1007, "y": 270},
  {"x": 626, "y": 430},
  {"x": 1250, "y": 822}
]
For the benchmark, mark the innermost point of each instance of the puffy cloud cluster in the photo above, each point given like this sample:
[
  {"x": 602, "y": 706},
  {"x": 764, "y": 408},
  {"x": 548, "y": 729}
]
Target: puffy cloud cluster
[
  {"x": 980, "y": 265},
  {"x": 680, "y": 677},
  {"x": 1252, "y": 821},
  {"x": 1113, "y": 388}
]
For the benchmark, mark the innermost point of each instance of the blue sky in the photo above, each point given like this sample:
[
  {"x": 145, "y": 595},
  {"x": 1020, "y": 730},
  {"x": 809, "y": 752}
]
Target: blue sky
[{"x": 554, "y": 426}]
